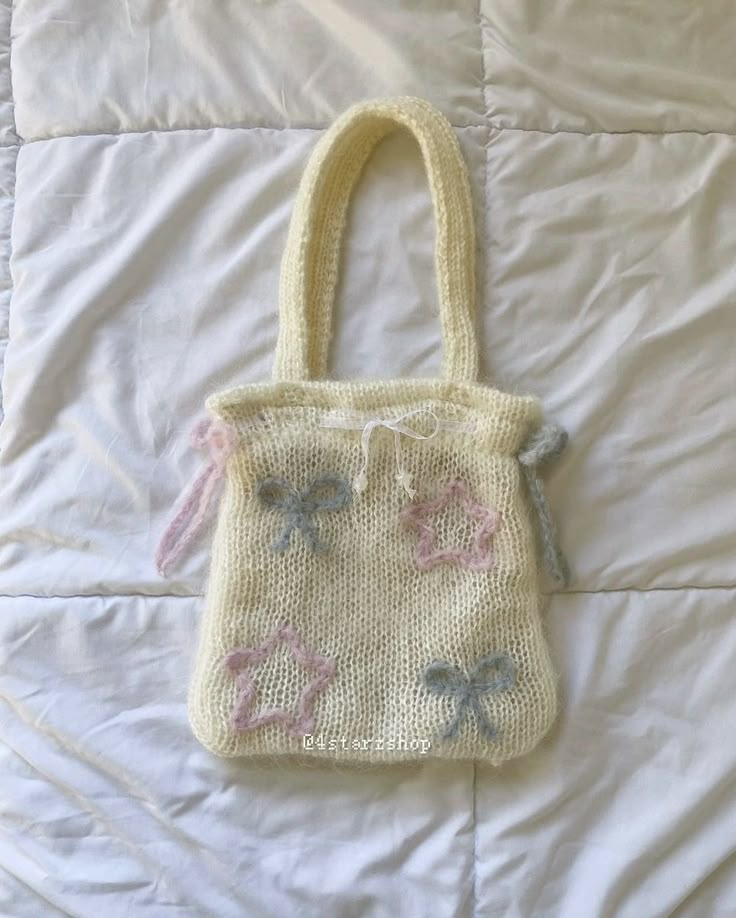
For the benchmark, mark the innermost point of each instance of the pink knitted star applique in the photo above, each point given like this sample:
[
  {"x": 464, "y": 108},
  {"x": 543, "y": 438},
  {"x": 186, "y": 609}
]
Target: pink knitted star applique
[
  {"x": 419, "y": 517},
  {"x": 242, "y": 661}
]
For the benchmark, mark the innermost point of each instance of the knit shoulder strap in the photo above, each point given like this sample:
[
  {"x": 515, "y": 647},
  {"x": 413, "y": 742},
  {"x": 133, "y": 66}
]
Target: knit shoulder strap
[{"x": 310, "y": 264}]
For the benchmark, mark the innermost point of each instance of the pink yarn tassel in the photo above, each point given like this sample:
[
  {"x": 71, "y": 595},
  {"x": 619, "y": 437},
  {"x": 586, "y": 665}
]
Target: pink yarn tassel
[{"x": 220, "y": 439}]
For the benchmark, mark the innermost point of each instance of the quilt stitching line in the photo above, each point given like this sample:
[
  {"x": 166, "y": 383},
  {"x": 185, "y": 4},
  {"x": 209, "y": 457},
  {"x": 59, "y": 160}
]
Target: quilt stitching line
[
  {"x": 487, "y": 125},
  {"x": 499, "y": 128},
  {"x": 17, "y": 145},
  {"x": 10, "y": 76},
  {"x": 276, "y": 128}
]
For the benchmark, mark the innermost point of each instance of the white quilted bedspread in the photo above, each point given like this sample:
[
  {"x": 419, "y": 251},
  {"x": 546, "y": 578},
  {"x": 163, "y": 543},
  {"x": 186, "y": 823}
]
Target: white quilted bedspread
[{"x": 150, "y": 153}]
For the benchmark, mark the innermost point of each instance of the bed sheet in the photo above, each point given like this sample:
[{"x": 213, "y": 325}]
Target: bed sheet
[{"x": 149, "y": 157}]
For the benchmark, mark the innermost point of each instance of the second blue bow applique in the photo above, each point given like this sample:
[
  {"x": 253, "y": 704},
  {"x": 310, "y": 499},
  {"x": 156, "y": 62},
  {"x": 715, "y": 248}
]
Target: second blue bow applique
[
  {"x": 327, "y": 492},
  {"x": 493, "y": 673}
]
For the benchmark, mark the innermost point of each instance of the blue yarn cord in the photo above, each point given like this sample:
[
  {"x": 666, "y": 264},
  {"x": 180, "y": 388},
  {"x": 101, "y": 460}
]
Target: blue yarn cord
[
  {"x": 545, "y": 444},
  {"x": 327, "y": 492}
]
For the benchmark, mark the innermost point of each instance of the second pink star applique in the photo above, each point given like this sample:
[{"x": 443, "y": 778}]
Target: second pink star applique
[
  {"x": 241, "y": 663},
  {"x": 422, "y": 519}
]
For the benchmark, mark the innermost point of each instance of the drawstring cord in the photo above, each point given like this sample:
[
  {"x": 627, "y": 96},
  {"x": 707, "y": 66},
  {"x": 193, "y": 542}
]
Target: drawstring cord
[
  {"x": 393, "y": 424},
  {"x": 399, "y": 430}
]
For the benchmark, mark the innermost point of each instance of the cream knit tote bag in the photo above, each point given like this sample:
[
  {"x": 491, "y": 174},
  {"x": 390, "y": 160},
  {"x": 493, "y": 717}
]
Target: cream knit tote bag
[{"x": 373, "y": 588}]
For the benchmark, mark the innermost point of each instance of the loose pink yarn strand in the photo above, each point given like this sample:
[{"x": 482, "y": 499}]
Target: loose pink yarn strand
[{"x": 219, "y": 438}]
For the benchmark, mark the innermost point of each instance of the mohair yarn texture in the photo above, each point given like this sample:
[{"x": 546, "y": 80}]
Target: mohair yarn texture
[{"x": 373, "y": 589}]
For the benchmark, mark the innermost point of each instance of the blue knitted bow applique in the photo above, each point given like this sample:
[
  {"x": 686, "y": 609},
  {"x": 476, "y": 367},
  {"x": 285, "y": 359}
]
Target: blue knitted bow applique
[
  {"x": 328, "y": 492},
  {"x": 493, "y": 673}
]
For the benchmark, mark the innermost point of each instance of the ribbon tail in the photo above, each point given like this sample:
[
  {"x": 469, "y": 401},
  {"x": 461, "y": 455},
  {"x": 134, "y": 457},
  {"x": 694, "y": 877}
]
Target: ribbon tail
[
  {"x": 485, "y": 727},
  {"x": 554, "y": 559},
  {"x": 402, "y": 476},
  {"x": 360, "y": 482},
  {"x": 452, "y": 729},
  {"x": 188, "y": 521}
]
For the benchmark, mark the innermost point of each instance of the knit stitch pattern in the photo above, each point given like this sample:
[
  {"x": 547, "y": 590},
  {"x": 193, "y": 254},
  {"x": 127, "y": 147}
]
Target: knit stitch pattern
[{"x": 365, "y": 603}]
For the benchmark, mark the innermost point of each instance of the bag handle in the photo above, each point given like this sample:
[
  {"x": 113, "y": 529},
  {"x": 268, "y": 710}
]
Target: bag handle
[{"x": 310, "y": 263}]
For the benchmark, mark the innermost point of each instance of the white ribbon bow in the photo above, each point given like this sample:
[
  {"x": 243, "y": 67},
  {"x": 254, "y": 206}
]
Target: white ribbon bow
[{"x": 399, "y": 429}]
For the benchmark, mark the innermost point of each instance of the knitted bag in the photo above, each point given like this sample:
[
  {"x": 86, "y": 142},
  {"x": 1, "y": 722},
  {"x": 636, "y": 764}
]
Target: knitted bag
[{"x": 373, "y": 586}]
